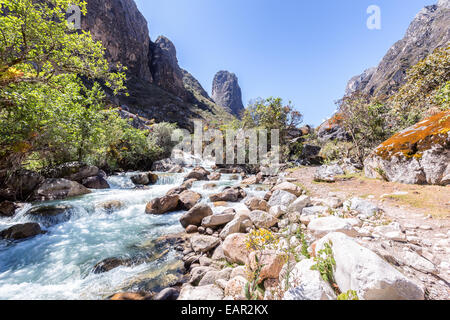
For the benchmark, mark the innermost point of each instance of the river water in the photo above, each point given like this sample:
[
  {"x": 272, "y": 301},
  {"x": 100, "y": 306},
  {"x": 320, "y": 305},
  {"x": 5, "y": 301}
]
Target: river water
[{"x": 58, "y": 265}]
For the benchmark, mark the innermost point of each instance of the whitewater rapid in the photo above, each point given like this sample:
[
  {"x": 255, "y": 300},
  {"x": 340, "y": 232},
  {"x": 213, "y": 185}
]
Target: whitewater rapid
[{"x": 58, "y": 265}]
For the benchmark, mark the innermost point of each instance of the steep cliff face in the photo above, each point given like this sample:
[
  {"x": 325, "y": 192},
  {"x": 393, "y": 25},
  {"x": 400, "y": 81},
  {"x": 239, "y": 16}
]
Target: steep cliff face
[
  {"x": 158, "y": 88},
  {"x": 164, "y": 67},
  {"x": 429, "y": 30},
  {"x": 123, "y": 30},
  {"x": 359, "y": 82},
  {"x": 227, "y": 93}
]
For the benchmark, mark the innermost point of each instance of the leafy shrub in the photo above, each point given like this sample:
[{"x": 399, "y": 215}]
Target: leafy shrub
[
  {"x": 336, "y": 150},
  {"x": 426, "y": 88},
  {"x": 325, "y": 264},
  {"x": 162, "y": 136},
  {"x": 366, "y": 121},
  {"x": 349, "y": 295},
  {"x": 53, "y": 108}
]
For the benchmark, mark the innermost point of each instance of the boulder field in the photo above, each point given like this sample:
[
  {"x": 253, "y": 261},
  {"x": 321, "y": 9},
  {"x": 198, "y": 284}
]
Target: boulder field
[
  {"x": 417, "y": 155},
  {"x": 220, "y": 260}
]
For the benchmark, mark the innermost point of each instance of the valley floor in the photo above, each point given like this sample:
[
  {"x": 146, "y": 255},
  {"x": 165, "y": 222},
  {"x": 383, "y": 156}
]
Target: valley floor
[{"x": 423, "y": 211}]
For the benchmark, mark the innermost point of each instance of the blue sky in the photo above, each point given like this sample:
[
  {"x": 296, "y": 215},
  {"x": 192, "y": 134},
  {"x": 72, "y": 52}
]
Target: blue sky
[{"x": 303, "y": 51}]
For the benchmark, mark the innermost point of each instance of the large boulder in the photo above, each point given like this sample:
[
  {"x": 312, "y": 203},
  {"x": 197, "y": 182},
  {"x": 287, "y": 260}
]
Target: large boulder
[
  {"x": 19, "y": 185},
  {"x": 7, "y": 209},
  {"x": 196, "y": 215},
  {"x": 271, "y": 261},
  {"x": 322, "y": 226},
  {"x": 197, "y": 273},
  {"x": 254, "y": 203},
  {"x": 75, "y": 171},
  {"x": 212, "y": 276},
  {"x": 239, "y": 224},
  {"x": 165, "y": 165},
  {"x": 49, "y": 215},
  {"x": 310, "y": 155},
  {"x": 278, "y": 211},
  {"x": 96, "y": 182},
  {"x": 168, "y": 294},
  {"x": 289, "y": 187},
  {"x": 417, "y": 155},
  {"x": 281, "y": 198},
  {"x": 144, "y": 178},
  {"x": 235, "y": 248},
  {"x": 363, "y": 207},
  {"x": 209, "y": 292},
  {"x": 188, "y": 199},
  {"x": 109, "y": 264},
  {"x": 332, "y": 129},
  {"x": 307, "y": 284},
  {"x": 203, "y": 244},
  {"x": 392, "y": 231},
  {"x": 21, "y": 231},
  {"x": 215, "y": 176},
  {"x": 230, "y": 194},
  {"x": 295, "y": 208},
  {"x": 176, "y": 190},
  {"x": 56, "y": 189},
  {"x": 328, "y": 173},
  {"x": 361, "y": 270},
  {"x": 198, "y": 173},
  {"x": 262, "y": 219},
  {"x": 252, "y": 180},
  {"x": 163, "y": 205},
  {"x": 217, "y": 220}
]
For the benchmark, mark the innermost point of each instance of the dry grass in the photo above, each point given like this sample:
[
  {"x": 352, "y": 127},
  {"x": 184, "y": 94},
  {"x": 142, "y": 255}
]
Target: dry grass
[{"x": 434, "y": 200}]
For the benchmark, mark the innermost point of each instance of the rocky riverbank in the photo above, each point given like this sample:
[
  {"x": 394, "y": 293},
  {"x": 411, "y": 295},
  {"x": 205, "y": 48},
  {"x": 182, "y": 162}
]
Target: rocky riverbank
[
  {"x": 257, "y": 237},
  {"x": 376, "y": 256}
]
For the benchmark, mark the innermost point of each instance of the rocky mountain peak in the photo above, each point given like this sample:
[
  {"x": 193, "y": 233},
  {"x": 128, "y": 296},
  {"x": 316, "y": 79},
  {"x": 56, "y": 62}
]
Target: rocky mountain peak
[
  {"x": 359, "y": 81},
  {"x": 429, "y": 30},
  {"x": 164, "y": 67},
  {"x": 444, "y": 4},
  {"x": 227, "y": 93},
  {"x": 167, "y": 48},
  {"x": 123, "y": 30},
  {"x": 158, "y": 88}
]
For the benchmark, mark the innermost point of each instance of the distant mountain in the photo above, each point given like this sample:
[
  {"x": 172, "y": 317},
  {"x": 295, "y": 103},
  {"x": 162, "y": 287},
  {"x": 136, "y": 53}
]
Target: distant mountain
[
  {"x": 227, "y": 93},
  {"x": 158, "y": 88},
  {"x": 429, "y": 30}
]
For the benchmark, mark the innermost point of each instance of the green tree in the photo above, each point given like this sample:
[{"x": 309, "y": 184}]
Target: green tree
[
  {"x": 366, "y": 120},
  {"x": 270, "y": 114},
  {"x": 425, "y": 90},
  {"x": 52, "y": 102}
]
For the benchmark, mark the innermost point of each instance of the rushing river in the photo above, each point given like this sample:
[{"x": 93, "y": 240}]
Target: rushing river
[{"x": 58, "y": 264}]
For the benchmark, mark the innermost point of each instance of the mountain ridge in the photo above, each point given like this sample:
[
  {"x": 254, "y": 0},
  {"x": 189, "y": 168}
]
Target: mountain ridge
[
  {"x": 428, "y": 31},
  {"x": 156, "y": 83}
]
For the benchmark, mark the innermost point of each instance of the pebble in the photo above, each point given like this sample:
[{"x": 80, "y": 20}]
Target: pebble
[
  {"x": 426, "y": 227},
  {"x": 413, "y": 239},
  {"x": 410, "y": 233}
]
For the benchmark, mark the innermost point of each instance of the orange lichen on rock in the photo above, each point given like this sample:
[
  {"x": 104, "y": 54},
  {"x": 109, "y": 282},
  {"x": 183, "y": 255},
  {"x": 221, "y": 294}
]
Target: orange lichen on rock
[
  {"x": 413, "y": 141},
  {"x": 335, "y": 120}
]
